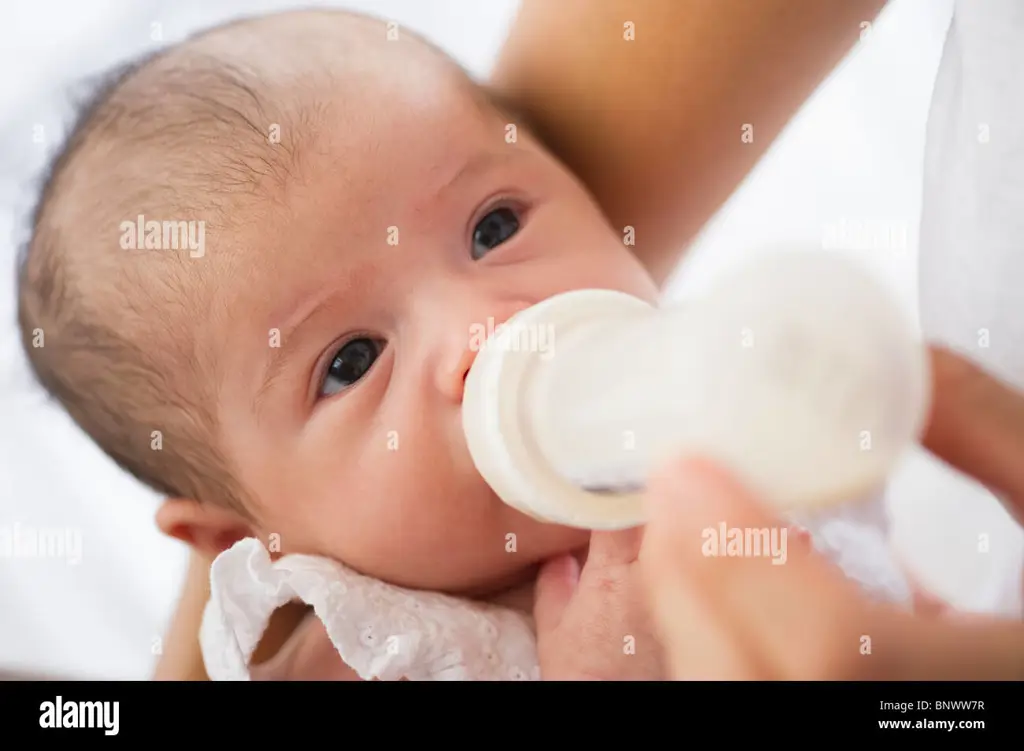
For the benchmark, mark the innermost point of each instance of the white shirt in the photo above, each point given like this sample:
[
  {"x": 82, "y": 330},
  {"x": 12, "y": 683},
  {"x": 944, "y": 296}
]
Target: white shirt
[
  {"x": 971, "y": 273},
  {"x": 971, "y": 261}
]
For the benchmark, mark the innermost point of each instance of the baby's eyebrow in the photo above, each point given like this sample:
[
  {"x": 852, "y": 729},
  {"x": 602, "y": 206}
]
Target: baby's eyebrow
[
  {"x": 288, "y": 341},
  {"x": 477, "y": 165}
]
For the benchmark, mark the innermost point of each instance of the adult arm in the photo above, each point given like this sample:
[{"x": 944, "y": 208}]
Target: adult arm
[
  {"x": 181, "y": 659},
  {"x": 654, "y": 126}
]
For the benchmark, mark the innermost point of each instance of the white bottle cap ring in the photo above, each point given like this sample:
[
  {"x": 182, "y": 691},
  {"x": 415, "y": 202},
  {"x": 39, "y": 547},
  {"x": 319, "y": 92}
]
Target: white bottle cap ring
[{"x": 498, "y": 434}]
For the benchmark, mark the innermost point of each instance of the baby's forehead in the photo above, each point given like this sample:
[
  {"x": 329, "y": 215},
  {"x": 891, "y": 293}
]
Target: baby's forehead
[
  {"x": 351, "y": 138},
  {"x": 262, "y": 114},
  {"x": 334, "y": 63},
  {"x": 403, "y": 162},
  {"x": 361, "y": 105}
]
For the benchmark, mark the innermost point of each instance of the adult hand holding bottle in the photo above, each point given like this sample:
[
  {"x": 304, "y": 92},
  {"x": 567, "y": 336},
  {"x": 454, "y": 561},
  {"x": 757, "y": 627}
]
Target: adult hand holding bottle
[{"x": 745, "y": 619}]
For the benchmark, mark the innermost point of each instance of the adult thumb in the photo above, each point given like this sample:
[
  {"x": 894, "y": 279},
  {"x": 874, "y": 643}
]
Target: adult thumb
[{"x": 556, "y": 584}]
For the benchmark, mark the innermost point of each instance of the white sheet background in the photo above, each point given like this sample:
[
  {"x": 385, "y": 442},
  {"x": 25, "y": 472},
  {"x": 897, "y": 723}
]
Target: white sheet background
[{"x": 854, "y": 153}]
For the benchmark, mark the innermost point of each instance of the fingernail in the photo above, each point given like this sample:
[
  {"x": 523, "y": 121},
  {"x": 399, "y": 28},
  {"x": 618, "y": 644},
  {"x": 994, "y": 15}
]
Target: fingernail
[
  {"x": 574, "y": 569},
  {"x": 569, "y": 569}
]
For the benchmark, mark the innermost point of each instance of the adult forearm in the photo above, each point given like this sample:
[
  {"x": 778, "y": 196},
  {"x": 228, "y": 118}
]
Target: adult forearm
[
  {"x": 648, "y": 101},
  {"x": 181, "y": 658}
]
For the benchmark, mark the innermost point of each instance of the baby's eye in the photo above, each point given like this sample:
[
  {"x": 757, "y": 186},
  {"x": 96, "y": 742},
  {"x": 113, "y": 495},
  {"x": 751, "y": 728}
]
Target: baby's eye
[
  {"x": 494, "y": 229},
  {"x": 350, "y": 363}
]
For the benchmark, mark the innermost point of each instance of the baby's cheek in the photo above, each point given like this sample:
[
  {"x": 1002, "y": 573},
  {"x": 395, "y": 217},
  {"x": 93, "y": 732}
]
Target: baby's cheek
[{"x": 421, "y": 533}]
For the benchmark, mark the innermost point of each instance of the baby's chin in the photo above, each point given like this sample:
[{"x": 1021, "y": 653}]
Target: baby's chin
[{"x": 548, "y": 542}]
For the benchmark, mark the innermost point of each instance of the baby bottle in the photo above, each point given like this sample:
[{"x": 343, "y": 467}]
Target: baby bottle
[{"x": 799, "y": 373}]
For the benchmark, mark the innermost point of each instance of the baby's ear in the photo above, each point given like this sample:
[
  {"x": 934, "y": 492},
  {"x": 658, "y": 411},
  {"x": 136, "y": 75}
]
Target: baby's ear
[{"x": 206, "y": 528}]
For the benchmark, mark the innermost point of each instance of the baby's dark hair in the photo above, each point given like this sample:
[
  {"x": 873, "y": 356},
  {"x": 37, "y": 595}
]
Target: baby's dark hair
[
  {"x": 176, "y": 133},
  {"x": 85, "y": 317},
  {"x": 180, "y": 135}
]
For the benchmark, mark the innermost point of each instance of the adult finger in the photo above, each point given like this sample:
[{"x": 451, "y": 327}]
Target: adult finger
[
  {"x": 618, "y": 547},
  {"x": 698, "y": 643},
  {"x": 796, "y": 616},
  {"x": 555, "y": 586},
  {"x": 976, "y": 424}
]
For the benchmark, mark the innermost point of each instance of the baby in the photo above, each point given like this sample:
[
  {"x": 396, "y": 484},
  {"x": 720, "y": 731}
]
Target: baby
[{"x": 257, "y": 266}]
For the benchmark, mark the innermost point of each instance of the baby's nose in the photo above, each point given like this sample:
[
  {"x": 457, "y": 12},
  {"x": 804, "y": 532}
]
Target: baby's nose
[
  {"x": 456, "y": 364},
  {"x": 454, "y": 369}
]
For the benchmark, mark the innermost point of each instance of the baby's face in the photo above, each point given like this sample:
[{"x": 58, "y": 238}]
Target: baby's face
[{"x": 353, "y": 325}]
